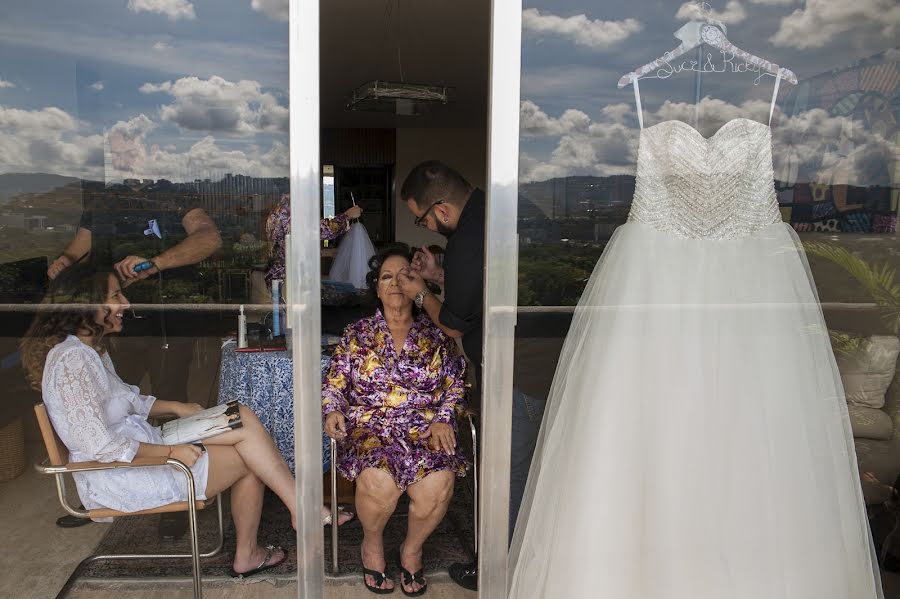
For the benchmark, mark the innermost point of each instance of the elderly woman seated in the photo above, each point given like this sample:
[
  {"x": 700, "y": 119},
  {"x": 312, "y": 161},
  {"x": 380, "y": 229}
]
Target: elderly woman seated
[
  {"x": 100, "y": 417},
  {"x": 391, "y": 396}
]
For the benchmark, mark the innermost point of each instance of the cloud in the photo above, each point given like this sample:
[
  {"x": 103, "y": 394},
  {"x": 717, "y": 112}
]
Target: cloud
[
  {"x": 6, "y": 84},
  {"x": 97, "y": 86},
  {"x": 714, "y": 113},
  {"x": 600, "y": 148},
  {"x": 219, "y": 105},
  {"x": 204, "y": 159},
  {"x": 274, "y": 9},
  {"x": 534, "y": 122},
  {"x": 174, "y": 9},
  {"x": 821, "y": 21},
  {"x": 126, "y": 143},
  {"x": 580, "y": 29},
  {"x": 774, "y": 2},
  {"x": 47, "y": 140},
  {"x": 161, "y": 47},
  {"x": 734, "y": 13}
]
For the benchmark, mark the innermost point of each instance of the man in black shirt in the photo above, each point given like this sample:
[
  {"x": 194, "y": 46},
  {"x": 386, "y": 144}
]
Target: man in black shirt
[
  {"x": 444, "y": 202},
  {"x": 121, "y": 230}
]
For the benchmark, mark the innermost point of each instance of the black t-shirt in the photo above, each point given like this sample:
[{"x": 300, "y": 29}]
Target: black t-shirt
[
  {"x": 124, "y": 225},
  {"x": 464, "y": 277}
]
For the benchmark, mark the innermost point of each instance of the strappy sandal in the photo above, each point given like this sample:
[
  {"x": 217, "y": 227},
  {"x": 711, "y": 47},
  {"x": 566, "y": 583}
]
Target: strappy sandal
[
  {"x": 263, "y": 565},
  {"x": 327, "y": 520},
  {"x": 407, "y": 579},
  {"x": 379, "y": 578}
]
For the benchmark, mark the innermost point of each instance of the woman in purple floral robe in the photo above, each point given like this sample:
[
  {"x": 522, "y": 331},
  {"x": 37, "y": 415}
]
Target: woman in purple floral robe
[
  {"x": 278, "y": 224},
  {"x": 391, "y": 396}
]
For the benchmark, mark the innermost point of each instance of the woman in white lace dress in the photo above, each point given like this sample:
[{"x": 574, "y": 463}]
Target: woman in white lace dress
[{"x": 99, "y": 417}]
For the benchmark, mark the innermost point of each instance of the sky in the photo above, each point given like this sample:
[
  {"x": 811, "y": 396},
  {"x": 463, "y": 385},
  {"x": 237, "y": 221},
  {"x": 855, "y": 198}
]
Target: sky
[
  {"x": 144, "y": 88},
  {"x": 185, "y": 89}
]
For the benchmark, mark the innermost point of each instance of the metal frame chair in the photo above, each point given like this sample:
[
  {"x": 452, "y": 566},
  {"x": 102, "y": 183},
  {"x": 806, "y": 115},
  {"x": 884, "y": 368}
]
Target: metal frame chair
[
  {"x": 334, "y": 502},
  {"x": 57, "y": 464}
]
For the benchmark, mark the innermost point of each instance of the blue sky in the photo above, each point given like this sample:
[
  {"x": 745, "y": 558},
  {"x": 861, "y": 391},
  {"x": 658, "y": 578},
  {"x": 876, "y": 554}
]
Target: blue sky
[{"x": 106, "y": 63}]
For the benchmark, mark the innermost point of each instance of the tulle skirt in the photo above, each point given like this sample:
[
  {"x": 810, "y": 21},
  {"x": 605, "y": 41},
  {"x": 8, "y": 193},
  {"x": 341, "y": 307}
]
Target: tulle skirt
[{"x": 696, "y": 443}]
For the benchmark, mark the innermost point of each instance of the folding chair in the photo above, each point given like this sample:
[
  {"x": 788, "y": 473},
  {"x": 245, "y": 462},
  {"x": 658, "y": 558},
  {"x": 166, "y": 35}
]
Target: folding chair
[
  {"x": 57, "y": 464},
  {"x": 334, "y": 502}
]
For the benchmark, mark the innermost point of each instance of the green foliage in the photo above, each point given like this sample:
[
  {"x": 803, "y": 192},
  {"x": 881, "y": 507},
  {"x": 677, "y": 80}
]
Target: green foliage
[
  {"x": 879, "y": 280},
  {"x": 554, "y": 275}
]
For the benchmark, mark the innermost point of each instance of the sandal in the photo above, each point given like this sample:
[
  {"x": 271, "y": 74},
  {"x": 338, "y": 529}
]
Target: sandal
[
  {"x": 327, "y": 520},
  {"x": 379, "y": 577},
  {"x": 263, "y": 565},
  {"x": 406, "y": 579}
]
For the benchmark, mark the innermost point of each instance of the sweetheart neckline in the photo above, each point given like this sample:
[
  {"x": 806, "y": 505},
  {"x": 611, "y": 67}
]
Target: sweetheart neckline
[{"x": 705, "y": 138}]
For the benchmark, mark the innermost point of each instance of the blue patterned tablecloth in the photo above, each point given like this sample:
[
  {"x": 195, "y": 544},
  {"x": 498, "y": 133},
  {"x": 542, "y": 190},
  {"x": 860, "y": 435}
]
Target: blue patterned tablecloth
[{"x": 264, "y": 382}]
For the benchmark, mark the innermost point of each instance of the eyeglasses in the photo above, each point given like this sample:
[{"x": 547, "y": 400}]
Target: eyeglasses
[{"x": 420, "y": 220}]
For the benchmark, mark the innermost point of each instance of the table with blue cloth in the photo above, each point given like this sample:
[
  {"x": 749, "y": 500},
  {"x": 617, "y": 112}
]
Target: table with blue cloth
[{"x": 264, "y": 382}]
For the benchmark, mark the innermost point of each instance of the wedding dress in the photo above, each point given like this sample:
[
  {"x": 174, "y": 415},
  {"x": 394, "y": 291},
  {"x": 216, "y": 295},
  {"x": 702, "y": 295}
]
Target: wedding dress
[{"x": 696, "y": 443}]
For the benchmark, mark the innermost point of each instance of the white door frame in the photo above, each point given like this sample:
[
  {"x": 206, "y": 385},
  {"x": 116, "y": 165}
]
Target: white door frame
[
  {"x": 501, "y": 295},
  {"x": 500, "y": 301},
  {"x": 304, "y": 291}
]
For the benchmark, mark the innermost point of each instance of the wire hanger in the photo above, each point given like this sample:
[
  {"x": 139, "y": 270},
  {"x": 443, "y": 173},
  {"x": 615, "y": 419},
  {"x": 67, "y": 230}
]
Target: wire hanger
[{"x": 712, "y": 33}]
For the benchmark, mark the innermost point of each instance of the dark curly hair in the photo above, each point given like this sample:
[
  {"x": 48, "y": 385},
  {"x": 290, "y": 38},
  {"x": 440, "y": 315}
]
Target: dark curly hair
[
  {"x": 69, "y": 308},
  {"x": 377, "y": 261}
]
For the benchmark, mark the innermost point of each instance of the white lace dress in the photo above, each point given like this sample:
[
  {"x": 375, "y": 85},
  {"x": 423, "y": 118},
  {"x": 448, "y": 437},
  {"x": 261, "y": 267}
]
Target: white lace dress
[
  {"x": 99, "y": 417},
  {"x": 696, "y": 443}
]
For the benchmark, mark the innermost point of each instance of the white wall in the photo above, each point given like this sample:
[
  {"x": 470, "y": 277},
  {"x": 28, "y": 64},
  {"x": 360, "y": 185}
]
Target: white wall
[{"x": 463, "y": 149}]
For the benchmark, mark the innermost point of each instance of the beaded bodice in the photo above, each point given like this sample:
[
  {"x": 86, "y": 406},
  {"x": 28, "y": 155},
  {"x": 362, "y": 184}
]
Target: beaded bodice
[{"x": 694, "y": 187}]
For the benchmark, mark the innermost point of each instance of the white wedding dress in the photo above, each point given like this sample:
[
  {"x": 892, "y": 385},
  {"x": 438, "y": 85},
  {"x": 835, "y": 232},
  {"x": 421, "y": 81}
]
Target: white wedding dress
[{"x": 696, "y": 443}]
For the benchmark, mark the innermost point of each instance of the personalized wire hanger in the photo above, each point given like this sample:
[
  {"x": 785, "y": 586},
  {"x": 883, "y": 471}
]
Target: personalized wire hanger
[{"x": 711, "y": 32}]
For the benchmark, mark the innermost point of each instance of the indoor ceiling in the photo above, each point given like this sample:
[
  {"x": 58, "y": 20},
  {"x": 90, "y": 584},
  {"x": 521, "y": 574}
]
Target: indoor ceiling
[{"x": 440, "y": 43}]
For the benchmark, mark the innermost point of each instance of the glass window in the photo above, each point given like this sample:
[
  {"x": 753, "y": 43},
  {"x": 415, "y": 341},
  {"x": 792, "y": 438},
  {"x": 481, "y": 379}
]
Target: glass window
[{"x": 655, "y": 222}]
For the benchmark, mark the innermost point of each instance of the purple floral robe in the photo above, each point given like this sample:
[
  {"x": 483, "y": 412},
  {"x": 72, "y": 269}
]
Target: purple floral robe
[
  {"x": 388, "y": 400},
  {"x": 279, "y": 224}
]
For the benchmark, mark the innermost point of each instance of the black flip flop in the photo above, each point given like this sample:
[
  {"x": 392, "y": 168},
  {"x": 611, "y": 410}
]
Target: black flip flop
[
  {"x": 263, "y": 565},
  {"x": 379, "y": 580},
  {"x": 406, "y": 578},
  {"x": 72, "y": 521}
]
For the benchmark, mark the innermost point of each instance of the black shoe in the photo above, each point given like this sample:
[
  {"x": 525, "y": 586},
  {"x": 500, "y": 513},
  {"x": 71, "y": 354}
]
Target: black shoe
[
  {"x": 173, "y": 525},
  {"x": 70, "y": 521},
  {"x": 465, "y": 575}
]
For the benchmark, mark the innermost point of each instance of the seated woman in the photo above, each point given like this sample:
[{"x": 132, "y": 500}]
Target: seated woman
[
  {"x": 99, "y": 417},
  {"x": 391, "y": 394},
  {"x": 278, "y": 224}
]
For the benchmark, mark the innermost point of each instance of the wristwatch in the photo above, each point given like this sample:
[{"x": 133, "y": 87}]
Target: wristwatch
[{"x": 419, "y": 300}]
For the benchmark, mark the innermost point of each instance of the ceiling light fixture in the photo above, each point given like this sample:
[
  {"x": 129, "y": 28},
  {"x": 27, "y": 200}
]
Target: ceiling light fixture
[{"x": 397, "y": 97}]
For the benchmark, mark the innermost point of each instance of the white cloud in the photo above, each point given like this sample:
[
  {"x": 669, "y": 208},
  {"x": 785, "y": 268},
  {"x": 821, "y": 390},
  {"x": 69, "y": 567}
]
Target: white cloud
[
  {"x": 617, "y": 112},
  {"x": 274, "y": 9},
  {"x": 821, "y": 21},
  {"x": 218, "y": 105},
  {"x": 734, "y": 12},
  {"x": 97, "y": 86},
  {"x": 174, "y": 9},
  {"x": 161, "y": 47},
  {"x": 584, "y": 148},
  {"x": 205, "y": 158},
  {"x": 713, "y": 112},
  {"x": 774, "y": 2},
  {"x": 6, "y": 84},
  {"x": 534, "y": 122},
  {"x": 580, "y": 29},
  {"x": 47, "y": 140},
  {"x": 126, "y": 143}
]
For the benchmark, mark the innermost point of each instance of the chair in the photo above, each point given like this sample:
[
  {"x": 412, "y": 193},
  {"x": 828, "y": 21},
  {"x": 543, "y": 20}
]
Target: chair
[
  {"x": 57, "y": 464},
  {"x": 334, "y": 501}
]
